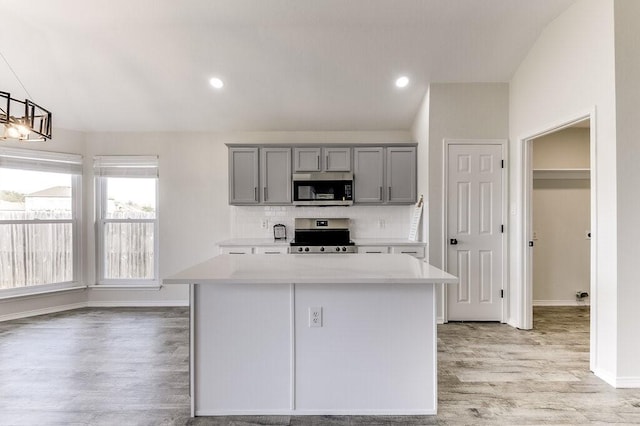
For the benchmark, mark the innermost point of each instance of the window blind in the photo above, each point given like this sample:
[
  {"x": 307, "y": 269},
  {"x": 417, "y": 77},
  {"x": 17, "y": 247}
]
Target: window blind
[
  {"x": 43, "y": 161},
  {"x": 144, "y": 166}
]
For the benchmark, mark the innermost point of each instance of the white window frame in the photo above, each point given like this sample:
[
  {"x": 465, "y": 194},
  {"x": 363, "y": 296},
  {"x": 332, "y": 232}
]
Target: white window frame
[
  {"x": 46, "y": 161},
  {"x": 124, "y": 167}
]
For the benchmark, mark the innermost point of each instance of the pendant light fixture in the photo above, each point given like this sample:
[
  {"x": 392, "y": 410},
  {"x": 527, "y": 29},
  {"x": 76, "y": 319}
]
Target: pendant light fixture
[{"x": 22, "y": 120}]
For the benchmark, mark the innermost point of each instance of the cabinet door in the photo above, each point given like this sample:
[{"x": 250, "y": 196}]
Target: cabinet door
[
  {"x": 236, "y": 250},
  {"x": 337, "y": 159},
  {"x": 373, "y": 249},
  {"x": 306, "y": 159},
  {"x": 243, "y": 176},
  {"x": 275, "y": 175},
  {"x": 271, "y": 250},
  {"x": 368, "y": 168},
  {"x": 401, "y": 175},
  {"x": 415, "y": 251}
]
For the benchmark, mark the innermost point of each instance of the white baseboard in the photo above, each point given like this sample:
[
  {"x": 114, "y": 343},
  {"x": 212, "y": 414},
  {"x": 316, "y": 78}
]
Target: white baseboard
[
  {"x": 43, "y": 311},
  {"x": 627, "y": 382},
  {"x": 137, "y": 303},
  {"x": 560, "y": 303}
]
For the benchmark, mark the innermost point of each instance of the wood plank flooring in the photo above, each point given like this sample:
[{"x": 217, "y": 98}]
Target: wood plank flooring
[{"x": 130, "y": 367}]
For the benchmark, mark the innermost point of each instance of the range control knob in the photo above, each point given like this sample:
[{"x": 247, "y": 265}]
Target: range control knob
[
  {"x": 321, "y": 248},
  {"x": 299, "y": 248},
  {"x": 306, "y": 249},
  {"x": 337, "y": 248},
  {"x": 344, "y": 249}
]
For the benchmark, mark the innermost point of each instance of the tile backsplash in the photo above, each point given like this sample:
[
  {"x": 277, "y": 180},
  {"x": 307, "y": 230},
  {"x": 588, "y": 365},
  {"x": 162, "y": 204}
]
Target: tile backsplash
[{"x": 366, "y": 221}]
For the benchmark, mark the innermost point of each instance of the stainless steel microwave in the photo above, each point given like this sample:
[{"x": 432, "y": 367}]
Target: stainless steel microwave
[{"x": 323, "y": 189}]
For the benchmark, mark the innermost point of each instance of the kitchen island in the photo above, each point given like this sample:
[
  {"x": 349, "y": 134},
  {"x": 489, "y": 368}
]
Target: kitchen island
[{"x": 312, "y": 334}]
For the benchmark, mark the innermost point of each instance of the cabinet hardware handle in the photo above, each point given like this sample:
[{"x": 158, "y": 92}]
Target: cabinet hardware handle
[
  {"x": 380, "y": 193},
  {"x": 409, "y": 252},
  {"x": 326, "y": 162},
  {"x": 389, "y": 193},
  {"x": 373, "y": 252},
  {"x": 236, "y": 252},
  {"x": 264, "y": 193},
  {"x": 318, "y": 162},
  {"x": 255, "y": 193},
  {"x": 271, "y": 252}
]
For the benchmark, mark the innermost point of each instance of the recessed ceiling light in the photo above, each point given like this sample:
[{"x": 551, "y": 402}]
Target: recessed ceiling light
[
  {"x": 402, "y": 81},
  {"x": 216, "y": 83}
]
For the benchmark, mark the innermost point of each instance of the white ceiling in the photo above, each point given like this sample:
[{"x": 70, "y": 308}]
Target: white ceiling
[{"x": 143, "y": 65}]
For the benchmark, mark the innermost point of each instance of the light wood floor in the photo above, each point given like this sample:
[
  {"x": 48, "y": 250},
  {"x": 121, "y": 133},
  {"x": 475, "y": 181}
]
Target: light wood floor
[{"x": 130, "y": 367}]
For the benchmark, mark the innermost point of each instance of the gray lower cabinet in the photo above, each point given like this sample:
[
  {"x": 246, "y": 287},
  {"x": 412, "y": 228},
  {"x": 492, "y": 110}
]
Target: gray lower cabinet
[
  {"x": 259, "y": 175},
  {"x": 243, "y": 175},
  {"x": 275, "y": 175},
  {"x": 384, "y": 175}
]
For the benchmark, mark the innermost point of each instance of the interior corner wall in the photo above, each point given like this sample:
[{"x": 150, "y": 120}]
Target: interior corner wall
[
  {"x": 420, "y": 133},
  {"x": 627, "y": 47},
  {"x": 458, "y": 111},
  {"x": 570, "y": 71}
]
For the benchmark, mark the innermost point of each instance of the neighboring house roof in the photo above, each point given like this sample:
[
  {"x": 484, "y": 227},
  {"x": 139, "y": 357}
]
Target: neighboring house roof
[{"x": 54, "y": 191}]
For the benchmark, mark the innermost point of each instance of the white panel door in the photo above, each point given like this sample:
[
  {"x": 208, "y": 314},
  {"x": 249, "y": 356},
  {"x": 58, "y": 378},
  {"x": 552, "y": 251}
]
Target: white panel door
[{"x": 474, "y": 232}]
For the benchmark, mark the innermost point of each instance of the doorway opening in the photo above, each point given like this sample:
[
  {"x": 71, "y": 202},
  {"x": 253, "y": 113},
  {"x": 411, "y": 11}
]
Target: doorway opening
[
  {"x": 559, "y": 219},
  {"x": 560, "y": 213}
]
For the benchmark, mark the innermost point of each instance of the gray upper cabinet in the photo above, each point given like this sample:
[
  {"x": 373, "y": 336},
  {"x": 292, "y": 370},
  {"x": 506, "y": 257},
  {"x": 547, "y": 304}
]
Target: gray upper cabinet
[
  {"x": 401, "y": 175},
  {"x": 307, "y": 159},
  {"x": 381, "y": 174},
  {"x": 275, "y": 175},
  {"x": 316, "y": 159},
  {"x": 384, "y": 175},
  {"x": 337, "y": 159},
  {"x": 368, "y": 174},
  {"x": 243, "y": 175}
]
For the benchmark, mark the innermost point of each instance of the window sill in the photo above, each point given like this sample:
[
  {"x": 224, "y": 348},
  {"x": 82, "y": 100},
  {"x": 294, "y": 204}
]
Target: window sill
[
  {"x": 42, "y": 292},
  {"x": 154, "y": 286}
]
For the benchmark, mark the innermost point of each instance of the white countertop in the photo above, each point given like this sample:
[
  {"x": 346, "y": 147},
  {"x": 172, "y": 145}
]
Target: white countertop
[
  {"x": 312, "y": 269},
  {"x": 387, "y": 242},
  {"x": 256, "y": 242},
  {"x": 253, "y": 242}
]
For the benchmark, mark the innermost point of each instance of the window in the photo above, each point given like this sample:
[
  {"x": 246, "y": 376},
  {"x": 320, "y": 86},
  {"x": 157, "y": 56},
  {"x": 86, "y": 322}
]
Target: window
[
  {"x": 39, "y": 220},
  {"x": 126, "y": 207}
]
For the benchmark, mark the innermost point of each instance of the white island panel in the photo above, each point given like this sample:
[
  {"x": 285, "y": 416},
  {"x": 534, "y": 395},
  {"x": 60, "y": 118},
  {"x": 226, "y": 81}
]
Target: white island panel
[
  {"x": 374, "y": 354},
  {"x": 242, "y": 349},
  {"x": 253, "y": 352}
]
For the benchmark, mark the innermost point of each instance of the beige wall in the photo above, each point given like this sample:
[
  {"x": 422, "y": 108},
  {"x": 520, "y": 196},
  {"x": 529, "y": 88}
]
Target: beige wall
[{"x": 561, "y": 219}]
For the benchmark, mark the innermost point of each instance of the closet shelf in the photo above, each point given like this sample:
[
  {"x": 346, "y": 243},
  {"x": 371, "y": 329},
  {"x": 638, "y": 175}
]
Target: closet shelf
[{"x": 561, "y": 173}]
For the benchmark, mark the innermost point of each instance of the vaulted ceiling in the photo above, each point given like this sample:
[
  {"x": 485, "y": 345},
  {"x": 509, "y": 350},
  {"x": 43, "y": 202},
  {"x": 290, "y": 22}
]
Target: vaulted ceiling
[{"x": 144, "y": 65}]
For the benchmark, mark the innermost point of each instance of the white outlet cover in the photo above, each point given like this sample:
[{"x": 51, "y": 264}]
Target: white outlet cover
[{"x": 315, "y": 316}]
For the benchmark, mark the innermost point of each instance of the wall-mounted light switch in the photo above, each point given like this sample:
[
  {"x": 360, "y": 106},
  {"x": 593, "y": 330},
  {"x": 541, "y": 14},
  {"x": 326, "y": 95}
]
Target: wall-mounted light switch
[{"x": 315, "y": 316}]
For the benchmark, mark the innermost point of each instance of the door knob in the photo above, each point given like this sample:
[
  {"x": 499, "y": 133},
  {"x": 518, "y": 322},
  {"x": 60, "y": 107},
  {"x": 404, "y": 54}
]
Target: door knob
[{"x": 453, "y": 241}]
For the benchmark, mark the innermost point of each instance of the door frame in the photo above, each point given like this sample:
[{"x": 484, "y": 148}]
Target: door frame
[
  {"x": 503, "y": 143},
  {"x": 524, "y": 294}
]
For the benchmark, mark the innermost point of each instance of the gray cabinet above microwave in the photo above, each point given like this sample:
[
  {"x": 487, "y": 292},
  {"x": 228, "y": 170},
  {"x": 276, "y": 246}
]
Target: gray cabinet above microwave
[
  {"x": 382, "y": 174},
  {"x": 322, "y": 159}
]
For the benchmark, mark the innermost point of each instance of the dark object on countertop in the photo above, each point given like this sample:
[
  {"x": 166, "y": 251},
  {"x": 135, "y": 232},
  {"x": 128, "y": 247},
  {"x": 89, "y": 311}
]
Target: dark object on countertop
[{"x": 279, "y": 232}]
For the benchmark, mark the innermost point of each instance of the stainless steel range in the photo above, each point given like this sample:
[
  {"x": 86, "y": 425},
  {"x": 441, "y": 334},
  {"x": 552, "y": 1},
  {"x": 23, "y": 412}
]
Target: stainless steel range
[{"x": 322, "y": 236}]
